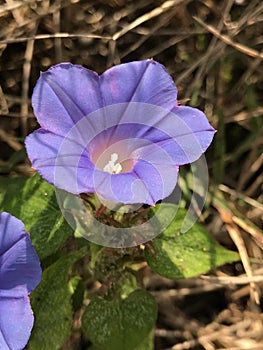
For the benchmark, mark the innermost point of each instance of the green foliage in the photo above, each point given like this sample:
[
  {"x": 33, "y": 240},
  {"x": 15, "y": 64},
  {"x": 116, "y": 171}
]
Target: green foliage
[
  {"x": 126, "y": 284},
  {"x": 182, "y": 255},
  {"x": 51, "y": 303},
  {"x": 33, "y": 201},
  {"x": 120, "y": 324},
  {"x": 147, "y": 343}
]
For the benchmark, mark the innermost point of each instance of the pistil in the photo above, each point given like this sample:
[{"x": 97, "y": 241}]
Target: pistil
[{"x": 112, "y": 167}]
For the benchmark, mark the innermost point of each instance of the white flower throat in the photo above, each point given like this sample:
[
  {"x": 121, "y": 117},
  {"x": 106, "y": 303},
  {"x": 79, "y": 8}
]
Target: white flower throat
[{"x": 112, "y": 167}]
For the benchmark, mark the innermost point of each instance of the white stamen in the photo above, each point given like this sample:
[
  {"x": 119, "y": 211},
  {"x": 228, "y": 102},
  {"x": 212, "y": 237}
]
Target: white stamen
[{"x": 111, "y": 167}]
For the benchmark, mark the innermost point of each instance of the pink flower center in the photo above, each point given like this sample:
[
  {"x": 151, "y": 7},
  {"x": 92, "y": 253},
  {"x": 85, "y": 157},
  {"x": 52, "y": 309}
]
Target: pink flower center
[{"x": 114, "y": 158}]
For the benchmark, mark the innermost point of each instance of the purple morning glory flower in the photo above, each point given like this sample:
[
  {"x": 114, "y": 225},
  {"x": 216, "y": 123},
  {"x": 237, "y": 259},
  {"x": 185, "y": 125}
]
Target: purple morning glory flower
[
  {"x": 20, "y": 273},
  {"x": 120, "y": 134}
]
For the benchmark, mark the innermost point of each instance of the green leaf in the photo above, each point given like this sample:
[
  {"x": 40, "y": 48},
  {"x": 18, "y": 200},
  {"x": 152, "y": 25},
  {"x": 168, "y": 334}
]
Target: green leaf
[
  {"x": 147, "y": 343},
  {"x": 126, "y": 284},
  {"x": 51, "y": 303},
  {"x": 120, "y": 324},
  {"x": 182, "y": 255},
  {"x": 33, "y": 201}
]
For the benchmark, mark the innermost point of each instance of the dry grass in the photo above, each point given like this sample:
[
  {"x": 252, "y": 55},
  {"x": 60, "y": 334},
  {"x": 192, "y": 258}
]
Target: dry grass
[{"x": 214, "y": 51}]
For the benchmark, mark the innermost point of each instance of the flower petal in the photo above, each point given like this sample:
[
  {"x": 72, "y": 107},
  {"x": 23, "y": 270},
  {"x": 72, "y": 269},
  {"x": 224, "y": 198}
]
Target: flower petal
[
  {"x": 140, "y": 81},
  {"x": 119, "y": 188},
  {"x": 63, "y": 95},
  {"x": 16, "y": 322},
  {"x": 160, "y": 180},
  {"x": 62, "y": 161},
  {"x": 201, "y": 131},
  {"x": 20, "y": 270},
  {"x": 184, "y": 134}
]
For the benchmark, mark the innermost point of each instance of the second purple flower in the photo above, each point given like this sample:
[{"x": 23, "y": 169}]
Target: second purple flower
[{"x": 20, "y": 273}]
